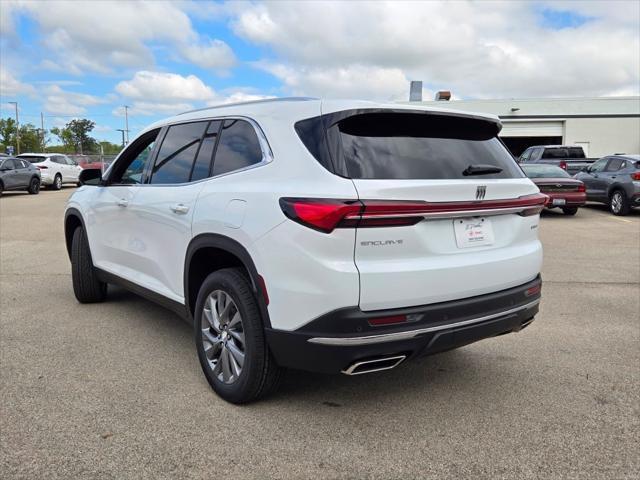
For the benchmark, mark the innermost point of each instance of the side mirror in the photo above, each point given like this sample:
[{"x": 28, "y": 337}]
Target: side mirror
[{"x": 90, "y": 176}]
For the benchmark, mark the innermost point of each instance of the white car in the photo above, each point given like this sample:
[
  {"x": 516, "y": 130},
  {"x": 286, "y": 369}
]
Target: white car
[
  {"x": 55, "y": 169},
  {"x": 330, "y": 236}
]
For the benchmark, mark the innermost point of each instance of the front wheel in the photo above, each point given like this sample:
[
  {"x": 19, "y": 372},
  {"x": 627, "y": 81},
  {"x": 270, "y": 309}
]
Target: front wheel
[
  {"x": 34, "y": 186},
  {"x": 230, "y": 339},
  {"x": 87, "y": 287},
  {"x": 619, "y": 203},
  {"x": 570, "y": 210},
  {"x": 57, "y": 182}
]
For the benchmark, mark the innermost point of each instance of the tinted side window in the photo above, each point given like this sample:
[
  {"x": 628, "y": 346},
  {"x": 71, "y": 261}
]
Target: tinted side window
[
  {"x": 599, "y": 165},
  {"x": 130, "y": 165},
  {"x": 177, "y": 153},
  {"x": 238, "y": 147},
  {"x": 525, "y": 156},
  {"x": 202, "y": 165},
  {"x": 614, "y": 165}
]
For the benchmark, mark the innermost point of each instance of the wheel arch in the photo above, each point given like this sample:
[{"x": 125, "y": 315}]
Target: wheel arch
[
  {"x": 209, "y": 252},
  {"x": 72, "y": 220}
]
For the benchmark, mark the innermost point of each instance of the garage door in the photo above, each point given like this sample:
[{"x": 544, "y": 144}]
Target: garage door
[{"x": 512, "y": 128}]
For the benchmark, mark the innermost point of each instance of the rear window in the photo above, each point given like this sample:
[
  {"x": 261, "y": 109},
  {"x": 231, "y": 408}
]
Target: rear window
[
  {"x": 544, "y": 171},
  {"x": 33, "y": 158},
  {"x": 403, "y": 146},
  {"x": 564, "y": 152}
]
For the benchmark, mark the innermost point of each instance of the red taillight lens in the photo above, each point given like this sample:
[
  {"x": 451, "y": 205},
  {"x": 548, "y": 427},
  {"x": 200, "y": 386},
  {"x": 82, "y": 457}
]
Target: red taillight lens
[
  {"x": 319, "y": 213},
  {"x": 376, "y": 322},
  {"x": 635, "y": 176},
  {"x": 42, "y": 167},
  {"x": 535, "y": 290},
  {"x": 325, "y": 214},
  {"x": 581, "y": 188},
  {"x": 563, "y": 165}
]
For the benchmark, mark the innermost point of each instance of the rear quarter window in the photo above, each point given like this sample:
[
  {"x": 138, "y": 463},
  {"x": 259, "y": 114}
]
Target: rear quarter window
[{"x": 403, "y": 146}]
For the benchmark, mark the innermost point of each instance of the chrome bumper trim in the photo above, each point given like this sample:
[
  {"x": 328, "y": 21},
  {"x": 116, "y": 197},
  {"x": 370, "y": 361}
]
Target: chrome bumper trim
[{"x": 396, "y": 336}]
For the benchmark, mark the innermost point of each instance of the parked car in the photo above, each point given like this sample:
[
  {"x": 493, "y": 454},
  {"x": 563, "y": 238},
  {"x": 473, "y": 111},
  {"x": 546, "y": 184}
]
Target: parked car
[
  {"x": 614, "y": 180},
  {"x": 17, "y": 174},
  {"x": 85, "y": 161},
  {"x": 568, "y": 157},
  {"x": 330, "y": 236},
  {"x": 563, "y": 191},
  {"x": 55, "y": 169}
]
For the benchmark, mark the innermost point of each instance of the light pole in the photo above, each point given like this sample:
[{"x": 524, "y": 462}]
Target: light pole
[
  {"x": 121, "y": 130},
  {"x": 126, "y": 121},
  {"x": 17, "y": 128}
]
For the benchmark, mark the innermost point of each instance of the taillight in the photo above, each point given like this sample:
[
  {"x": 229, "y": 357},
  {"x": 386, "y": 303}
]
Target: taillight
[
  {"x": 581, "y": 188},
  {"x": 325, "y": 215},
  {"x": 563, "y": 165},
  {"x": 42, "y": 167},
  {"x": 635, "y": 176}
]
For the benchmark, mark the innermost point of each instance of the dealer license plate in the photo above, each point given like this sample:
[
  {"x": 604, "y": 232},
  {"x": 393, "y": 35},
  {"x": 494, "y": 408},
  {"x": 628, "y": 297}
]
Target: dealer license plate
[{"x": 473, "y": 232}]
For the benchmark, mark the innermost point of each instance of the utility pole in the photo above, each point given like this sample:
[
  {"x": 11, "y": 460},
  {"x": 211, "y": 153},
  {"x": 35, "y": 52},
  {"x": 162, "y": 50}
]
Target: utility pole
[
  {"x": 126, "y": 122},
  {"x": 17, "y": 128},
  {"x": 121, "y": 130},
  {"x": 42, "y": 127}
]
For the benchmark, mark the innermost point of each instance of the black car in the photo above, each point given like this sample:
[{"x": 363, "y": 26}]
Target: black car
[
  {"x": 17, "y": 174},
  {"x": 614, "y": 180}
]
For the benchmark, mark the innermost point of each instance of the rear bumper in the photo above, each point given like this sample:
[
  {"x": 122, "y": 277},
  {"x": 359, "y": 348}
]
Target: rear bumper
[
  {"x": 334, "y": 342},
  {"x": 572, "y": 199}
]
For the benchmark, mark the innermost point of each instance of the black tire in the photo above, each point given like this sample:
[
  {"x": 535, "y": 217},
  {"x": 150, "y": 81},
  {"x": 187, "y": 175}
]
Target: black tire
[
  {"x": 619, "y": 203},
  {"x": 570, "y": 210},
  {"x": 86, "y": 285},
  {"x": 34, "y": 186},
  {"x": 57, "y": 182},
  {"x": 260, "y": 375},
  {"x": 1, "y": 188}
]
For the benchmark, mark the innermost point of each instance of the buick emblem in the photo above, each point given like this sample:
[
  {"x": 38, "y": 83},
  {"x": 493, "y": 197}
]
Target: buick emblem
[{"x": 480, "y": 192}]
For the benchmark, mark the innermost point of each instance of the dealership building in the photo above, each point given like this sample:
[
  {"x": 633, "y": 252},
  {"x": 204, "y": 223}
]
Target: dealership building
[{"x": 602, "y": 125}]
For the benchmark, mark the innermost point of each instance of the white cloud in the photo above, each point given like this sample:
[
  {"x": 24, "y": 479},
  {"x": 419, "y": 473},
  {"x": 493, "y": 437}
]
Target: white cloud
[
  {"x": 11, "y": 86},
  {"x": 164, "y": 87},
  {"x": 63, "y": 102},
  {"x": 475, "y": 49},
  {"x": 102, "y": 36}
]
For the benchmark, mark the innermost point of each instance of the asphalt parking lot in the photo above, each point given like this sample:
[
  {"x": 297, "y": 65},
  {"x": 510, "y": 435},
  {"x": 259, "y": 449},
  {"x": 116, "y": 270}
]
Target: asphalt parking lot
[{"x": 115, "y": 390}]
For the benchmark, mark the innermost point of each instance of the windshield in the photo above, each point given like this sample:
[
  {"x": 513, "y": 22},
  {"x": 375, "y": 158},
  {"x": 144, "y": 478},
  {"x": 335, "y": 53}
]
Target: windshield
[
  {"x": 544, "y": 171},
  {"x": 415, "y": 146},
  {"x": 33, "y": 158}
]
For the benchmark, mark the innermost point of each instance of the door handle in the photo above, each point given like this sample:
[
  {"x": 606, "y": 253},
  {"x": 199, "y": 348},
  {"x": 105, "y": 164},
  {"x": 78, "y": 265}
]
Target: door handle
[
  {"x": 179, "y": 208},
  {"x": 123, "y": 202},
  {"x": 613, "y": 176}
]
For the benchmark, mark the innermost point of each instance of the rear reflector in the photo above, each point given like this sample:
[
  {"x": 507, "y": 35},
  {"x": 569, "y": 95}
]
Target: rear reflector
[
  {"x": 263, "y": 287},
  {"x": 535, "y": 290},
  {"x": 375, "y": 322},
  {"x": 325, "y": 215}
]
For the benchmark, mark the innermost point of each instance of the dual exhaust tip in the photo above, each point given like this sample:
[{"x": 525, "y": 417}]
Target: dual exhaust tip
[{"x": 375, "y": 365}]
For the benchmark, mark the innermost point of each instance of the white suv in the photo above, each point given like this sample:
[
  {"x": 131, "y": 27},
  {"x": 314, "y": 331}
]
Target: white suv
[
  {"x": 55, "y": 169},
  {"x": 331, "y": 236}
]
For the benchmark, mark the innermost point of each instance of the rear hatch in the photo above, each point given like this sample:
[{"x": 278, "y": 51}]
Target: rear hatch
[{"x": 448, "y": 213}]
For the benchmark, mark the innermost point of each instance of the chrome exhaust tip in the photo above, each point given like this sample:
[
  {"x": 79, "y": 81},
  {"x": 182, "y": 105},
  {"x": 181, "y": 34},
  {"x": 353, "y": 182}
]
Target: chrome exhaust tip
[{"x": 376, "y": 365}]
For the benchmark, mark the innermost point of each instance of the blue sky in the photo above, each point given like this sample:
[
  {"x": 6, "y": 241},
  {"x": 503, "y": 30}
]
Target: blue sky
[{"x": 87, "y": 59}]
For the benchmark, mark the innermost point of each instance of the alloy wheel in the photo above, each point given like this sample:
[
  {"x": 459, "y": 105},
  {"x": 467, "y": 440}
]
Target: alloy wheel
[
  {"x": 223, "y": 336},
  {"x": 616, "y": 202},
  {"x": 58, "y": 181}
]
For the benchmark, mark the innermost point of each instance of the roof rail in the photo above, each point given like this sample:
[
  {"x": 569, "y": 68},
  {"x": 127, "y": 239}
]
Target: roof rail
[{"x": 251, "y": 102}]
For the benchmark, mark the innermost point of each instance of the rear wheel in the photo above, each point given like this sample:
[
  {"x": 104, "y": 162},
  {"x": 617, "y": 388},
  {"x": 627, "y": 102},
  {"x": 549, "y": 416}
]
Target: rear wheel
[
  {"x": 230, "y": 339},
  {"x": 57, "y": 182},
  {"x": 1, "y": 188},
  {"x": 86, "y": 285},
  {"x": 570, "y": 210},
  {"x": 34, "y": 186},
  {"x": 619, "y": 203}
]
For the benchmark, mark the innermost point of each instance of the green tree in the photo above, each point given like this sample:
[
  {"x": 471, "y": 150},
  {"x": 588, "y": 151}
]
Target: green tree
[
  {"x": 109, "y": 148},
  {"x": 75, "y": 136},
  {"x": 31, "y": 139}
]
